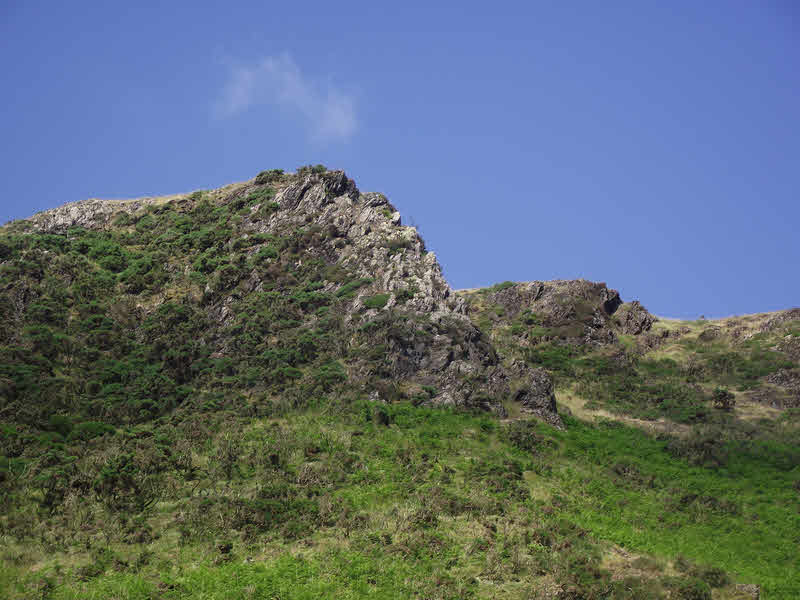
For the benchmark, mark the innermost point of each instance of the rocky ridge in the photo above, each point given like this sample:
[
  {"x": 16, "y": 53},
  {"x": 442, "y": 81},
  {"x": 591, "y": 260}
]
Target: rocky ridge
[{"x": 431, "y": 349}]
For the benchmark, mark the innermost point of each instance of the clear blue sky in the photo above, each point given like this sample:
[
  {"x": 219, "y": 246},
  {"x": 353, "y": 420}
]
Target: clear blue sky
[{"x": 651, "y": 145}]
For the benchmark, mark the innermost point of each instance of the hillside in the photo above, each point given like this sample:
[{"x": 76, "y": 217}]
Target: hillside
[
  {"x": 618, "y": 357},
  {"x": 269, "y": 390}
]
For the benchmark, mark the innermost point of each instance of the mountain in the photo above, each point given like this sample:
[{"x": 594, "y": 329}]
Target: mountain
[{"x": 270, "y": 390}]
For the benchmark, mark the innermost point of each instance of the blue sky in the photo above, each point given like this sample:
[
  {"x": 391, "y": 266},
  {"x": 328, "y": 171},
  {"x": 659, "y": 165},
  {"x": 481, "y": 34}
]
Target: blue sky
[{"x": 651, "y": 145}]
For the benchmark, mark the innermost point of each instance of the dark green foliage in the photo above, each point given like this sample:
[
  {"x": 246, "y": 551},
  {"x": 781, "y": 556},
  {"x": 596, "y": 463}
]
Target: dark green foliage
[
  {"x": 89, "y": 430},
  {"x": 124, "y": 219},
  {"x": 264, "y": 254},
  {"x": 742, "y": 368},
  {"x": 499, "y": 287},
  {"x": 396, "y": 245},
  {"x": 405, "y": 295},
  {"x": 144, "y": 273},
  {"x": 348, "y": 289},
  {"x": 376, "y": 301},
  {"x": 693, "y": 589},
  {"x": 269, "y": 176},
  {"x": 723, "y": 399},
  {"x": 329, "y": 375},
  {"x": 523, "y": 435},
  {"x": 558, "y": 358},
  {"x": 126, "y": 485},
  {"x": 260, "y": 196},
  {"x": 60, "y": 424},
  {"x": 311, "y": 170},
  {"x": 252, "y": 240}
]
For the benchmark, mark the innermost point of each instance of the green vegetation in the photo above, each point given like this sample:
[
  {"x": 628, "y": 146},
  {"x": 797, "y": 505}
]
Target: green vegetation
[
  {"x": 349, "y": 289},
  {"x": 499, "y": 287},
  {"x": 185, "y": 411},
  {"x": 269, "y": 176},
  {"x": 311, "y": 170},
  {"x": 354, "y": 499},
  {"x": 376, "y": 301}
]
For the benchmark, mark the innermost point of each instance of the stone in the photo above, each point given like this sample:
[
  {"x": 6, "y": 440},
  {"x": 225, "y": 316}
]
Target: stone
[
  {"x": 537, "y": 396},
  {"x": 635, "y": 319},
  {"x": 749, "y": 590}
]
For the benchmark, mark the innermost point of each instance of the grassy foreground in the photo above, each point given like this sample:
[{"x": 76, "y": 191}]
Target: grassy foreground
[{"x": 394, "y": 501}]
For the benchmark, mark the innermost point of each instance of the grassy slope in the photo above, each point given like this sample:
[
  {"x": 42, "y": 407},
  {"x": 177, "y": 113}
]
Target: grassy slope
[{"x": 437, "y": 504}]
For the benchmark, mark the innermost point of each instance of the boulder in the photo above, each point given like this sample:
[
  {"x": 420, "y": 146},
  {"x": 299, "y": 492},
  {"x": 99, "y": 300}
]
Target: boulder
[
  {"x": 634, "y": 318},
  {"x": 537, "y": 396}
]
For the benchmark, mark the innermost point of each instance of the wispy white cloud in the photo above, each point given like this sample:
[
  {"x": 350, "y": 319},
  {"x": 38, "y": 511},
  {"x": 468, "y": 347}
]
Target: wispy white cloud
[{"x": 328, "y": 113}]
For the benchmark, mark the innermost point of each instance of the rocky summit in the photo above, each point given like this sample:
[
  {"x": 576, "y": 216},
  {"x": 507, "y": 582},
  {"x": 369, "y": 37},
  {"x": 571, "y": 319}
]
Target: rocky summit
[{"x": 270, "y": 390}]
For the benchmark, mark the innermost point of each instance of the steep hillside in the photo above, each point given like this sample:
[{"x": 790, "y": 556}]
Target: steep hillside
[
  {"x": 269, "y": 391},
  {"x": 274, "y": 290}
]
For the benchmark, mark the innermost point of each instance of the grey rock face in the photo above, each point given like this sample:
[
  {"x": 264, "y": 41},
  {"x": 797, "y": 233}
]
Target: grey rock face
[
  {"x": 749, "y": 590},
  {"x": 635, "y": 318},
  {"x": 783, "y": 317},
  {"x": 788, "y": 379},
  {"x": 537, "y": 396},
  {"x": 578, "y": 310},
  {"x": 709, "y": 334}
]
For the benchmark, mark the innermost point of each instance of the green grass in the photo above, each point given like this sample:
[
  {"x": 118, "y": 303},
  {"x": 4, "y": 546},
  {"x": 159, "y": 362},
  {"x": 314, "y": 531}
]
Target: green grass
[
  {"x": 337, "y": 574},
  {"x": 420, "y": 502},
  {"x": 742, "y": 518}
]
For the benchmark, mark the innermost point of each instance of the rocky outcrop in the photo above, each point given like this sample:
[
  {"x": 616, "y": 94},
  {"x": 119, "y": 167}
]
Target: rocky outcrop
[
  {"x": 577, "y": 311},
  {"x": 789, "y": 379},
  {"x": 537, "y": 396},
  {"x": 781, "y": 318},
  {"x": 634, "y": 318}
]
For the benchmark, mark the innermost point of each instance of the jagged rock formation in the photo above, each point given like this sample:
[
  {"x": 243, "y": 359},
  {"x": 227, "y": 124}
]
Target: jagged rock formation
[
  {"x": 575, "y": 311},
  {"x": 537, "y": 396}
]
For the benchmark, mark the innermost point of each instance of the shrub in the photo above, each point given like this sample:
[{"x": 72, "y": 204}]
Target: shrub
[
  {"x": 348, "y": 289},
  {"x": 124, "y": 219},
  {"x": 398, "y": 245},
  {"x": 89, "y": 430},
  {"x": 405, "y": 295},
  {"x": 522, "y": 435},
  {"x": 269, "y": 207},
  {"x": 378, "y": 301},
  {"x": 693, "y": 589},
  {"x": 312, "y": 170},
  {"x": 555, "y": 357},
  {"x": 381, "y": 416},
  {"x": 713, "y": 576},
  {"x": 124, "y": 485},
  {"x": 269, "y": 176},
  {"x": 499, "y": 287},
  {"x": 705, "y": 447},
  {"x": 226, "y": 277},
  {"x": 723, "y": 399},
  {"x": 264, "y": 254},
  {"x": 258, "y": 196},
  {"x": 329, "y": 375},
  {"x": 60, "y": 424}
]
